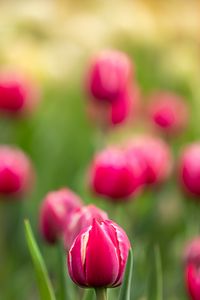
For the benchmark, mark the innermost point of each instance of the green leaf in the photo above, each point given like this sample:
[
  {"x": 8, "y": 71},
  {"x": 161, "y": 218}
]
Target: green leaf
[
  {"x": 159, "y": 277},
  {"x": 89, "y": 294},
  {"x": 125, "y": 291},
  {"x": 44, "y": 284}
]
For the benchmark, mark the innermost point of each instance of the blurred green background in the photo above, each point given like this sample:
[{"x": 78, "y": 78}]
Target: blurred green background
[{"x": 53, "y": 41}]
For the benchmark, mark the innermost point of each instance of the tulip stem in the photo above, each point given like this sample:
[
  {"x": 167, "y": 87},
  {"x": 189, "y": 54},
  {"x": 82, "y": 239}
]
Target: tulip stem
[{"x": 101, "y": 294}]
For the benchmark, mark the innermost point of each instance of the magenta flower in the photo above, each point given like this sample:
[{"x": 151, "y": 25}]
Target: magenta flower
[
  {"x": 114, "y": 176},
  {"x": 192, "y": 280},
  {"x": 189, "y": 170},
  {"x": 98, "y": 256},
  {"x": 168, "y": 112},
  {"x": 18, "y": 95},
  {"x": 55, "y": 213},
  {"x": 192, "y": 252},
  {"x": 16, "y": 172},
  {"x": 80, "y": 219},
  {"x": 156, "y": 156}
]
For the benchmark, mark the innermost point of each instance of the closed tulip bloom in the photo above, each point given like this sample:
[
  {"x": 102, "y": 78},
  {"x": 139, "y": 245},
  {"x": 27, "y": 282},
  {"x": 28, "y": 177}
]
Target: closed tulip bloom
[
  {"x": 114, "y": 176},
  {"x": 192, "y": 252},
  {"x": 192, "y": 279},
  {"x": 156, "y": 156},
  {"x": 18, "y": 95},
  {"x": 55, "y": 213},
  {"x": 189, "y": 169},
  {"x": 168, "y": 112},
  {"x": 16, "y": 172},
  {"x": 109, "y": 74},
  {"x": 80, "y": 219},
  {"x": 98, "y": 255}
]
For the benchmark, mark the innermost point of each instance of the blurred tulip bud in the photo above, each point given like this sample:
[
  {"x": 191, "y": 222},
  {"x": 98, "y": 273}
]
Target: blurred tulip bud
[
  {"x": 156, "y": 156},
  {"x": 18, "y": 95},
  {"x": 16, "y": 172},
  {"x": 109, "y": 74},
  {"x": 168, "y": 112},
  {"x": 114, "y": 176},
  {"x": 55, "y": 213},
  {"x": 192, "y": 278},
  {"x": 190, "y": 169},
  {"x": 80, "y": 219},
  {"x": 98, "y": 255},
  {"x": 192, "y": 252}
]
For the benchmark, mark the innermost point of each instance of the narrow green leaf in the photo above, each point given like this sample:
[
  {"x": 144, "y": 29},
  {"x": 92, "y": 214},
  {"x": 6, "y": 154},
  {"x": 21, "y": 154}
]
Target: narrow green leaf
[
  {"x": 125, "y": 291},
  {"x": 44, "y": 284},
  {"x": 159, "y": 277},
  {"x": 89, "y": 294}
]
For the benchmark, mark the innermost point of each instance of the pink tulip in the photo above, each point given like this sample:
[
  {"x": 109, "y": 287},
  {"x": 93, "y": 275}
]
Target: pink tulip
[
  {"x": 190, "y": 169},
  {"x": 114, "y": 176},
  {"x": 168, "y": 112},
  {"x": 156, "y": 156},
  {"x": 192, "y": 279},
  {"x": 192, "y": 252},
  {"x": 109, "y": 74},
  {"x": 55, "y": 213},
  {"x": 16, "y": 172},
  {"x": 18, "y": 95},
  {"x": 80, "y": 219},
  {"x": 98, "y": 255}
]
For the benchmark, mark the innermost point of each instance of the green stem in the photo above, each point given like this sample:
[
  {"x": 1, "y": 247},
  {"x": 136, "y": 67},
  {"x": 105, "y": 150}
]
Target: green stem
[
  {"x": 101, "y": 294},
  {"x": 63, "y": 290}
]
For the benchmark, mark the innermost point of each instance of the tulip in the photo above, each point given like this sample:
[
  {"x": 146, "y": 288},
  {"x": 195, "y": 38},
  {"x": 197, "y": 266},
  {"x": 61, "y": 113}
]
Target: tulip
[
  {"x": 16, "y": 172},
  {"x": 192, "y": 279},
  {"x": 18, "y": 95},
  {"x": 109, "y": 74},
  {"x": 114, "y": 176},
  {"x": 156, "y": 156},
  {"x": 189, "y": 169},
  {"x": 55, "y": 213},
  {"x": 80, "y": 219},
  {"x": 168, "y": 112},
  {"x": 98, "y": 255},
  {"x": 192, "y": 252}
]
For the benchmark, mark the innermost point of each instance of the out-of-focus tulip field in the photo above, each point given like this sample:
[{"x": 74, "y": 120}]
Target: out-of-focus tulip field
[{"x": 99, "y": 150}]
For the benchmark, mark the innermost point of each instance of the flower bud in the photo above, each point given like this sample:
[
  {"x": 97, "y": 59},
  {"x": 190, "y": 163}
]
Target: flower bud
[
  {"x": 18, "y": 95},
  {"x": 189, "y": 169},
  {"x": 168, "y": 112},
  {"x": 114, "y": 176},
  {"x": 156, "y": 156},
  {"x": 98, "y": 255},
  {"x": 192, "y": 280},
  {"x": 109, "y": 74},
  {"x": 16, "y": 172},
  {"x": 192, "y": 252},
  {"x": 55, "y": 213},
  {"x": 80, "y": 219}
]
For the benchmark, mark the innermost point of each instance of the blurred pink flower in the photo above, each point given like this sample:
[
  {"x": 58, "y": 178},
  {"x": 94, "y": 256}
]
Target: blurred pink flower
[
  {"x": 192, "y": 280},
  {"x": 98, "y": 256},
  {"x": 192, "y": 252}
]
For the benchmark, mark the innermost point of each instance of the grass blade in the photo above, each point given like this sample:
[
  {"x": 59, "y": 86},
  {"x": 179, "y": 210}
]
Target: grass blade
[{"x": 125, "y": 291}]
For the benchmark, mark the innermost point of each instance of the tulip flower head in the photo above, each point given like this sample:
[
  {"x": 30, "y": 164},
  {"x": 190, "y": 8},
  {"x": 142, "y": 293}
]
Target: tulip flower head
[
  {"x": 189, "y": 169},
  {"x": 16, "y": 172},
  {"x": 98, "y": 255},
  {"x": 55, "y": 213},
  {"x": 80, "y": 219},
  {"x": 192, "y": 280},
  {"x": 18, "y": 95},
  {"x": 192, "y": 252},
  {"x": 168, "y": 112},
  {"x": 114, "y": 176}
]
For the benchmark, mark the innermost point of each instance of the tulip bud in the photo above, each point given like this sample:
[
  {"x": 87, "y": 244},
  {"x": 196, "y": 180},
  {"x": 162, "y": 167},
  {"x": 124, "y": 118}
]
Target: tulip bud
[
  {"x": 192, "y": 252},
  {"x": 168, "y": 112},
  {"x": 80, "y": 219},
  {"x": 189, "y": 169},
  {"x": 16, "y": 172},
  {"x": 114, "y": 176},
  {"x": 109, "y": 74},
  {"x": 192, "y": 279},
  {"x": 55, "y": 213},
  {"x": 18, "y": 95},
  {"x": 156, "y": 156},
  {"x": 98, "y": 255}
]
